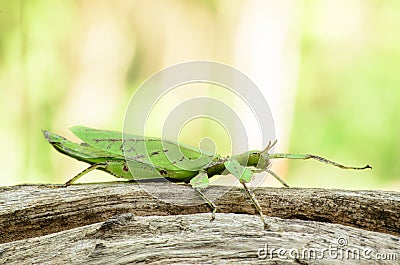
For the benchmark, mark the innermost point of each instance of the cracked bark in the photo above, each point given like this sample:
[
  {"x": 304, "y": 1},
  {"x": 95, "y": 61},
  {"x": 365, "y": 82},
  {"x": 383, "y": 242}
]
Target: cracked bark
[{"x": 121, "y": 223}]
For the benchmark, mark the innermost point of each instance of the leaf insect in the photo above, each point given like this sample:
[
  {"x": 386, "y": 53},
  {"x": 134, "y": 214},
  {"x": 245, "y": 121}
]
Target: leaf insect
[{"x": 152, "y": 158}]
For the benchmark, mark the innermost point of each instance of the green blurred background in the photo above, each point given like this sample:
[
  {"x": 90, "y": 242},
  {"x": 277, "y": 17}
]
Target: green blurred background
[{"x": 329, "y": 69}]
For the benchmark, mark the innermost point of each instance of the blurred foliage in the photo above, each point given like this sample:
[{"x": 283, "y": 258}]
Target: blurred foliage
[
  {"x": 64, "y": 63},
  {"x": 349, "y": 92},
  {"x": 33, "y": 81}
]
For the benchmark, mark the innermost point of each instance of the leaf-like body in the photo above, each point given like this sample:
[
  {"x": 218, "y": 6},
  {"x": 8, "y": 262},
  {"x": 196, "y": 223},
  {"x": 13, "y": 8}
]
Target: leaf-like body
[
  {"x": 242, "y": 173},
  {"x": 160, "y": 153},
  {"x": 115, "y": 164}
]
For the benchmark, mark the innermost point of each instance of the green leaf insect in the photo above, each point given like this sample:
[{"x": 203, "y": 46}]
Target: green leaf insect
[{"x": 139, "y": 158}]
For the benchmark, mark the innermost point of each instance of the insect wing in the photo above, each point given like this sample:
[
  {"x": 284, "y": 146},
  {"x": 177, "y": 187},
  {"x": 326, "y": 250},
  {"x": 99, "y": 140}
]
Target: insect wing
[
  {"x": 82, "y": 152},
  {"x": 160, "y": 153},
  {"x": 166, "y": 154},
  {"x": 108, "y": 141},
  {"x": 136, "y": 171}
]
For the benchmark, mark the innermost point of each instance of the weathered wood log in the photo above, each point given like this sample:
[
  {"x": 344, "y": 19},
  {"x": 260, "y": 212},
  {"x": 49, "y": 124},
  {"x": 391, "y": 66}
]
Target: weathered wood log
[
  {"x": 193, "y": 239},
  {"x": 35, "y": 210},
  {"x": 146, "y": 229}
]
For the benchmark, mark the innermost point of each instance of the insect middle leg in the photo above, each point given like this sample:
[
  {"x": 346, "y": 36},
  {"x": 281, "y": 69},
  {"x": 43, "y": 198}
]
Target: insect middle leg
[
  {"x": 200, "y": 181},
  {"x": 209, "y": 202}
]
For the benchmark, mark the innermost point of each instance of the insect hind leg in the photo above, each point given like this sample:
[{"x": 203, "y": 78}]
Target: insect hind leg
[{"x": 87, "y": 170}]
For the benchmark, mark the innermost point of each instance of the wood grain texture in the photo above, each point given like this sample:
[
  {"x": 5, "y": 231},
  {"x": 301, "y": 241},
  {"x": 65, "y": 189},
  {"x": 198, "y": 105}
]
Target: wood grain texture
[
  {"x": 35, "y": 210},
  {"x": 193, "y": 239},
  {"x": 120, "y": 223}
]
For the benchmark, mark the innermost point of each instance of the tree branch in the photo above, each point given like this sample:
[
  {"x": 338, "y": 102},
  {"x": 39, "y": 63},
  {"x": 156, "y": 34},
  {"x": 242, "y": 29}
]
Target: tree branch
[
  {"x": 35, "y": 210},
  {"x": 193, "y": 239}
]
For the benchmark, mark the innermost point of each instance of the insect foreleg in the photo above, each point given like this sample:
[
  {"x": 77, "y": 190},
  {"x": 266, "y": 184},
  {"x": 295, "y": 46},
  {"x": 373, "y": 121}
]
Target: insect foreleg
[
  {"x": 245, "y": 175},
  {"x": 281, "y": 180},
  {"x": 256, "y": 204},
  {"x": 87, "y": 170},
  {"x": 272, "y": 173}
]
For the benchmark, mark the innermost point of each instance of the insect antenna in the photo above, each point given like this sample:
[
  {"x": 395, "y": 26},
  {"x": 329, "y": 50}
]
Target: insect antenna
[
  {"x": 269, "y": 146},
  {"x": 315, "y": 157}
]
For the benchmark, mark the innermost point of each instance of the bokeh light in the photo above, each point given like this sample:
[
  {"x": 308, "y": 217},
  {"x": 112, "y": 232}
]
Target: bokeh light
[{"x": 328, "y": 69}]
